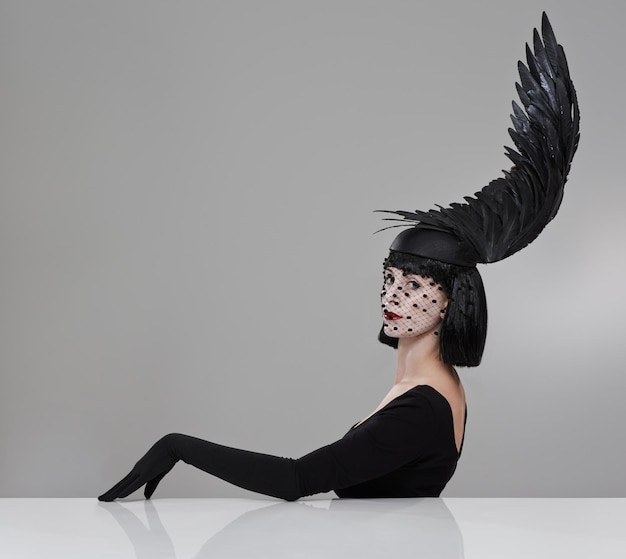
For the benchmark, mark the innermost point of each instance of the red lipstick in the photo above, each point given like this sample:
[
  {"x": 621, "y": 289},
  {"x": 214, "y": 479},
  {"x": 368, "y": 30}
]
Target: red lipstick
[{"x": 391, "y": 315}]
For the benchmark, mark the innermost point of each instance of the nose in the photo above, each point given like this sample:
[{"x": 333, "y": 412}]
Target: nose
[{"x": 389, "y": 297}]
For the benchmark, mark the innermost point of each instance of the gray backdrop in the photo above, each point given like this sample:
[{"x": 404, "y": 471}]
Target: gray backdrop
[{"x": 186, "y": 234}]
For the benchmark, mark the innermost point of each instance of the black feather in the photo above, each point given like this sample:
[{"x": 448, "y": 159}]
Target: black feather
[{"x": 511, "y": 211}]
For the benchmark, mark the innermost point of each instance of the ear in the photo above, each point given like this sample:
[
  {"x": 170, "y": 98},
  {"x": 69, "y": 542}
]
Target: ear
[{"x": 444, "y": 308}]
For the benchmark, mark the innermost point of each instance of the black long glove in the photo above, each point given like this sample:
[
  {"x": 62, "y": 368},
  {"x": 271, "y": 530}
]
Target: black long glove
[
  {"x": 270, "y": 475},
  {"x": 411, "y": 434}
]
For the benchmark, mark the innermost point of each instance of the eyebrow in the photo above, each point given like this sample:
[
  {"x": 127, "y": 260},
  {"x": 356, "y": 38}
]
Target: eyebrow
[{"x": 387, "y": 270}]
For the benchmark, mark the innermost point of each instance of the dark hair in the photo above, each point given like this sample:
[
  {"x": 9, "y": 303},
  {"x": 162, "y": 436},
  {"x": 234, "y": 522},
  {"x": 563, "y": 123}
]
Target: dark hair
[{"x": 464, "y": 328}]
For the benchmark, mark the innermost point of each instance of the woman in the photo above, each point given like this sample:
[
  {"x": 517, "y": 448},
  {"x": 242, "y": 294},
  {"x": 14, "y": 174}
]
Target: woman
[
  {"x": 407, "y": 447},
  {"x": 434, "y": 313}
]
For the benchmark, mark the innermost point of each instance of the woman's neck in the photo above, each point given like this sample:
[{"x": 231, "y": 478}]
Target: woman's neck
[{"x": 418, "y": 361}]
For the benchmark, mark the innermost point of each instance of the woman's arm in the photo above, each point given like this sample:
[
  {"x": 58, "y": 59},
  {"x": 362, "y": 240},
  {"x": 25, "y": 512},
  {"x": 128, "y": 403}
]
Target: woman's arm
[
  {"x": 262, "y": 473},
  {"x": 397, "y": 434}
]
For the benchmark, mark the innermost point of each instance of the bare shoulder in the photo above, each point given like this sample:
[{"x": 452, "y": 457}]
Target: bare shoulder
[{"x": 450, "y": 387}]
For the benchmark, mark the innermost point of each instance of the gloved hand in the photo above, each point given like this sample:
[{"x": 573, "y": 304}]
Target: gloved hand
[
  {"x": 263, "y": 473},
  {"x": 150, "y": 469}
]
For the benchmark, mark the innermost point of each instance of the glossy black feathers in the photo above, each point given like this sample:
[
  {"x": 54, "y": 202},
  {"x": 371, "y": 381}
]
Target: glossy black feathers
[{"x": 511, "y": 211}]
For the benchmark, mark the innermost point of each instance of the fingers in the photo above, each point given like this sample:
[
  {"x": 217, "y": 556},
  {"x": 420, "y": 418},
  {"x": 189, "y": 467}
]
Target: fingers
[
  {"x": 151, "y": 468},
  {"x": 152, "y": 485},
  {"x": 132, "y": 486},
  {"x": 123, "y": 488}
]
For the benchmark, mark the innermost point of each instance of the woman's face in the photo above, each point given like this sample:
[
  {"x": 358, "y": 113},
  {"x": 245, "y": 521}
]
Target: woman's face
[{"x": 412, "y": 305}]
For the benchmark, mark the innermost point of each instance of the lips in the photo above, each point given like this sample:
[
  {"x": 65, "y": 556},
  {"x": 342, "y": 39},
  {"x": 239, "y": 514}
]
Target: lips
[{"x": 391, "y": 315}]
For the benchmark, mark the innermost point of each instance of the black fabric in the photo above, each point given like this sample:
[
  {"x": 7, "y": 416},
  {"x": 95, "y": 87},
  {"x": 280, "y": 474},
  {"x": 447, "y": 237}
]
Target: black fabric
[
  {"x": 406, "y": 449},
  {"x": 511, "y": 211},
  {"x": 425, "y": 242}
]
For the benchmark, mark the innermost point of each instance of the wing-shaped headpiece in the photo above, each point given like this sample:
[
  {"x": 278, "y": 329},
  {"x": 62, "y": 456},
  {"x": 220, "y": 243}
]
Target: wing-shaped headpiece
[{"x": 511, "y": 211}]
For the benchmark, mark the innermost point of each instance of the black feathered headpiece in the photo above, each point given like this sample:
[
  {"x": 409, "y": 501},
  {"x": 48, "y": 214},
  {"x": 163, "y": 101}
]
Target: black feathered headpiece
[{"x": 511, "y": 211}]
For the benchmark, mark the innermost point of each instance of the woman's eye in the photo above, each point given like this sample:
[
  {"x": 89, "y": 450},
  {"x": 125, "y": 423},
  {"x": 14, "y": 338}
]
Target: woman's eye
[
  {"x": 389, "y": 280},
  {"x": 413, "y": 285}
]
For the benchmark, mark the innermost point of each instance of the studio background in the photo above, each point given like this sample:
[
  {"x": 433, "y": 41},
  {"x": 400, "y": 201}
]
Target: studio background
[{"x": 186, "y": 234}]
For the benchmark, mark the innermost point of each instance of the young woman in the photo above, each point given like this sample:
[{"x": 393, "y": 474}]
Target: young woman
[
  {"x": 434, "y": 314},
  {"x": 409, "y": 445}
]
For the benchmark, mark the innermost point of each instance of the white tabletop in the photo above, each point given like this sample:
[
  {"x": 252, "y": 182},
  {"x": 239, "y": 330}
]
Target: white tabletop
[{"x": 249, "y": 528}]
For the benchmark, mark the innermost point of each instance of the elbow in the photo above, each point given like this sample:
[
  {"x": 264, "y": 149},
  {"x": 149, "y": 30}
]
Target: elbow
[
  {"x": 289, "y": 494},
  {"x": 292, "y": 488},
  {"x": 291, "y": 497}
]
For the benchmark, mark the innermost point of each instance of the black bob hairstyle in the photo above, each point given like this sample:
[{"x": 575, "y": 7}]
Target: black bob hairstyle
[{"x": 464, "y": 329}]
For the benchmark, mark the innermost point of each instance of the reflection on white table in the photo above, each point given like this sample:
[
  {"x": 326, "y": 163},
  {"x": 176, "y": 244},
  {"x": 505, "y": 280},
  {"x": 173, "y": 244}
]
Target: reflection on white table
[{"x": 226, "y": 528}]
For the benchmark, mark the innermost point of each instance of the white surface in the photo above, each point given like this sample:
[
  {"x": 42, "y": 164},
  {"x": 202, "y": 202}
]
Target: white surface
[{"x": 188, "y": 528}]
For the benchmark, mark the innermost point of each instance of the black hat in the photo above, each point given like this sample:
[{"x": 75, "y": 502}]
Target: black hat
[{"x": 435, "y": 244}]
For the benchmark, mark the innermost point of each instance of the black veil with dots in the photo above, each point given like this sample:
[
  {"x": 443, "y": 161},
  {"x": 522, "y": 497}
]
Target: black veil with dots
[{"x": 463, "y": 331}]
